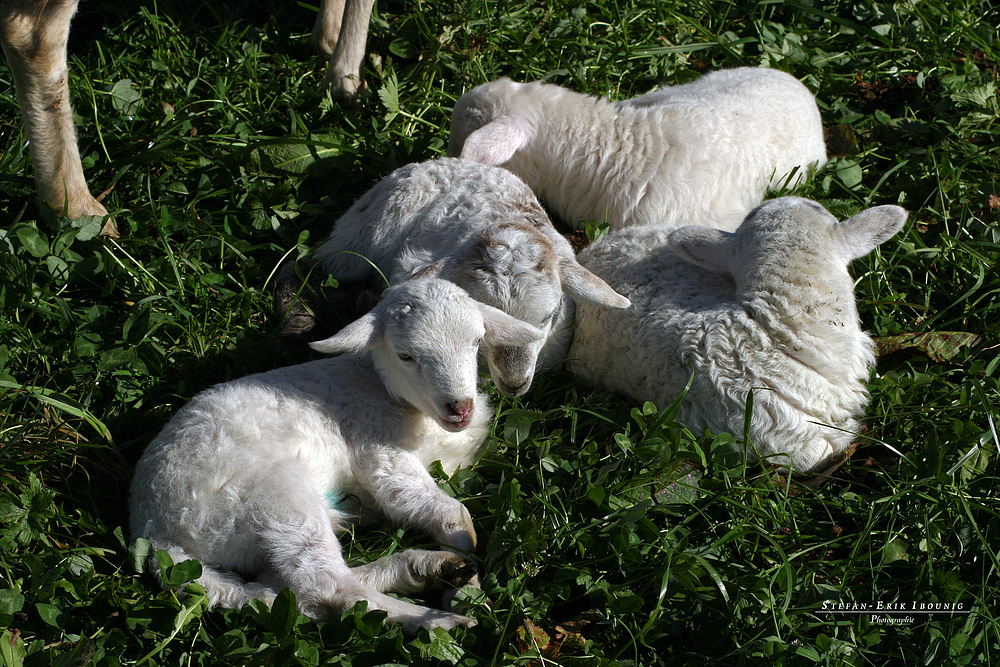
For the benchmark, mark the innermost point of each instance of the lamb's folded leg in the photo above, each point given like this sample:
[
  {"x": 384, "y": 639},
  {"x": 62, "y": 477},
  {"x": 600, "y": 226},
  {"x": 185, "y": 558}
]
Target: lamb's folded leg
[
  {"x": 406, "y": 493},
  {"x": 298, "y": 542},
  {"x": 416, "y": 571}
]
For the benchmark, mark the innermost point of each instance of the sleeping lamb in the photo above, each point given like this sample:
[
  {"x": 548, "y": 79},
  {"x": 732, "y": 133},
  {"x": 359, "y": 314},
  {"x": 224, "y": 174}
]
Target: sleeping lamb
[
  {"x": 700, "y": 153},
  {"x": 246, "y": 477},
  {"x": 769, "y": 308},
  {"x": 483, "y": 229}
]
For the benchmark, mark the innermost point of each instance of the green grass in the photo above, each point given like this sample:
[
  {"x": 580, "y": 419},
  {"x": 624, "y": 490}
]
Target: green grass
[{"x": 207, "y": 125}]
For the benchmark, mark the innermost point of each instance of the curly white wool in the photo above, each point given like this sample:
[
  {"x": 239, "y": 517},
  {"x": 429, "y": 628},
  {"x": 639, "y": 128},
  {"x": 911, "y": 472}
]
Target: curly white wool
[{"x": 700, "y": 153}]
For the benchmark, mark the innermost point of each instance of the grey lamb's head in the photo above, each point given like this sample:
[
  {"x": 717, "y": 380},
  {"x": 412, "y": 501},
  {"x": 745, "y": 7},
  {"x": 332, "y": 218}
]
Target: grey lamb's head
[{"x": 789, "y": 239}]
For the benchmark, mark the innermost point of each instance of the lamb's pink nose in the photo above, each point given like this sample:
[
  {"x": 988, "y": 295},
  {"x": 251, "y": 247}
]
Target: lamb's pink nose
[{"x": 462, "y": 410}]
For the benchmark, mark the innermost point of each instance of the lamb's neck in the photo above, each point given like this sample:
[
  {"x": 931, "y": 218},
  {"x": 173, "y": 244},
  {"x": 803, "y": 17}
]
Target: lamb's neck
[
  {"x": 602, "y": 153},
  {"x": 375, "y": 360},
  {"x": 560, "y": 337},
  {"x": 815, "y": 325}
]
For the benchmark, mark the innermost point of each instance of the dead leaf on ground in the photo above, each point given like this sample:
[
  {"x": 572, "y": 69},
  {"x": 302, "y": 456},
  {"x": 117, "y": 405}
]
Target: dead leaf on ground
[{"x": 940, "y": 346}]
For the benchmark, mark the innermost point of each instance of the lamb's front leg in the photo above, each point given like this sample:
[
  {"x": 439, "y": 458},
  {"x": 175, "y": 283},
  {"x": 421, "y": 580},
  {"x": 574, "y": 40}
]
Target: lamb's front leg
[
  {"x": 296, "y": 540},
  {"x": 406, "y": 493}
]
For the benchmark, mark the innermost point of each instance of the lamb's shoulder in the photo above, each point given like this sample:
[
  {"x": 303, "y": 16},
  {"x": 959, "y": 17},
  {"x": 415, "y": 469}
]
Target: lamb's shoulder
[{"x": 638, "y": 263}]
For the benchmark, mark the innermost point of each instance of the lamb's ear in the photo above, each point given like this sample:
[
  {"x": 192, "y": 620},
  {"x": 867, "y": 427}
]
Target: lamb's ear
[
  {"x": 356, "y": 336},
  {"x": 712, "y": 249},
  {"x": 867, "y": 230},
  {"x": 429, "y": 271},
  {"x": 502, "y": 329},
  {"x": 496, "y": 142},
  {"x": 581, "y": 283}
]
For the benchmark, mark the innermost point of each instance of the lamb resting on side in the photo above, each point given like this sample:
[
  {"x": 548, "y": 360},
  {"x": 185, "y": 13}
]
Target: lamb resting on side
[
  {"x": 244, "y": 478},
  {"x": 769, "y": 308},
  {"x": 700, "y": 153},
  {"x": 482, "y": 228}
]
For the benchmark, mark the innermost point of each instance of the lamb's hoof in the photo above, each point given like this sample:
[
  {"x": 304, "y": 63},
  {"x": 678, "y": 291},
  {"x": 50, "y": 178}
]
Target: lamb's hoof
[
  {"x": 446, "y": 620},
  {"x": 461, "y": 599},
  {"x": 455, "y": 571}
]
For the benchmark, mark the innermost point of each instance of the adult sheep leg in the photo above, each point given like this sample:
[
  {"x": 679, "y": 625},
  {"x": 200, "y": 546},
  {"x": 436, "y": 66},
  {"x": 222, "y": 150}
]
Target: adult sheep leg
[
  {"x": 344, "y": 76},
  {"x": 326, "y": 30},
  {"x": 34, "y": 35}
]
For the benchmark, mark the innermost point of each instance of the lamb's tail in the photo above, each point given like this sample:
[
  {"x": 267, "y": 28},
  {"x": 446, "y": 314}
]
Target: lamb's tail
[{"x": 222, "y": 587}]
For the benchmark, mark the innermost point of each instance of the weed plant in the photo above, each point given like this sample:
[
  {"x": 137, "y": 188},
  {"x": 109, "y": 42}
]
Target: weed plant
[{"x": 609, "y": 533}]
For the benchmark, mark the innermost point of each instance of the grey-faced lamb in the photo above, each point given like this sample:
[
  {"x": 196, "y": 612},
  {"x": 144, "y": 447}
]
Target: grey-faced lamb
[
  {"x": 700, "y": 153},
  {"x": 482, "y": 228},
  {"x": 769, "y": 308},
  {"x": 246, "y": 476}
]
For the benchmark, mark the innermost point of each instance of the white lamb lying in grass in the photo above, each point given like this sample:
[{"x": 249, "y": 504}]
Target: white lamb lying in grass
[
  {"x": 482, "y": 228},
  {"x": 704, "y": 152},
  {"x": 769, "y": 308},
  {"x": 243, "y": 476}
]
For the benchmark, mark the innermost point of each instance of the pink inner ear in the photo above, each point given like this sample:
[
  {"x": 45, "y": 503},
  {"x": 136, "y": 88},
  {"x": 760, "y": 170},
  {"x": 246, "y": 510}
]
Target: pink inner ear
[{"x": 496, "y": 142}]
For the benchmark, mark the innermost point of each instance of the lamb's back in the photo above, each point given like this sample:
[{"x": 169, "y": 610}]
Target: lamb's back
[
  {"x": 680, "y": 316},
  {"x": 419, "y": 214},
  {"x": 732, "y": 134}
]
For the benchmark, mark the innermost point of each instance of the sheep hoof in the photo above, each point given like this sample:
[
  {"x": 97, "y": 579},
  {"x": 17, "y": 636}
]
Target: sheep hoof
[
  {"x": 446, "y": 620},
  {"x": 109, "y": 229},
  {"x": 455, "y": 572}
]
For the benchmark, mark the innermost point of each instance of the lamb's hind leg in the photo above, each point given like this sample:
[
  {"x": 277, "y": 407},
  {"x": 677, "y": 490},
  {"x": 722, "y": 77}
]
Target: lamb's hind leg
[
  {"x": 34, "y": 34},
  {"x": 299, "y": 543},
  {"x": 416, "y": 571}
]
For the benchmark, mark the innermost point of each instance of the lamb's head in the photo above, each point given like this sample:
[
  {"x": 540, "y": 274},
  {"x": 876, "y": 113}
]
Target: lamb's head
[
  {"x": 789, "y": 241},
  {"x": 515, "y": 266},
  {"x": 491, "y": 122},
  {"x": 423, "y": 338}
]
